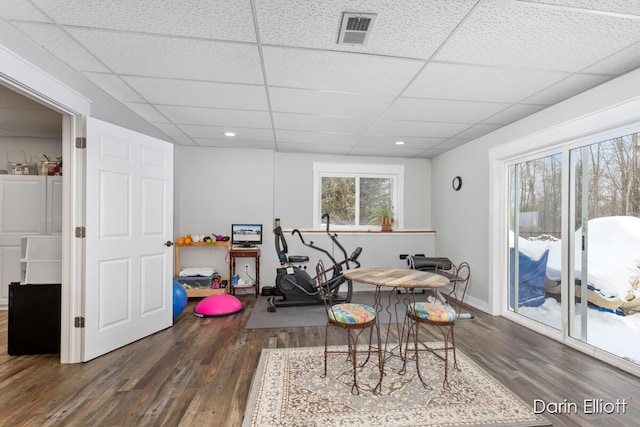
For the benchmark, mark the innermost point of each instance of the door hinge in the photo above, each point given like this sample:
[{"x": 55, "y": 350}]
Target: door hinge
[
  {"x": 80, "y": 232},
  {"x": 81, "y": 142},
  {"x": 78, "y": 322}
]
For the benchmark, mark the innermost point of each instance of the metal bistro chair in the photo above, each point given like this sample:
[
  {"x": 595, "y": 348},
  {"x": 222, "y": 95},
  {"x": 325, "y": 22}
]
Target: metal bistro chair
[
  {"x": 354, "y": 319},
  {"x": 441, "y": 313}
]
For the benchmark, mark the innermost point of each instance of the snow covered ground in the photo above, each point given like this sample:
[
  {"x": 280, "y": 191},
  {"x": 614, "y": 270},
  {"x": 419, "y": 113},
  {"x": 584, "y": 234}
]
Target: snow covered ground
[
  {"x": 613, "y": 268},
  {"x": 615, "y": 334}
]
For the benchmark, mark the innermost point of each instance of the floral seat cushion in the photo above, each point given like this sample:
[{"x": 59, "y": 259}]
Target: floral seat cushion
[
  {"x": 432, "y": 310},
  {"x": 350, "y": 313}
]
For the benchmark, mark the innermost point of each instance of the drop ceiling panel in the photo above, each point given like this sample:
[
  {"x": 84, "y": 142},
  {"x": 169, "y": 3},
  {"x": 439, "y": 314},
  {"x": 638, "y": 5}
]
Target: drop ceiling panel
[
  {"x": 417, "y": 129},
  {"x": 328, "y": 103},
  {"x": 22, "y": 10},
  {"x": 433, "y": 152},
  {"x": 513, "y": 113},
  {"x": 442, "y": 110},
  {"x": 170, "y": 129},
  {"x": 566, "y": 88},
  {"x": 478, "y": 83},
  {"x": 617, "y": 6},
  {"x": 338, "y": 71},
  {"x": 292, "y": 147},
  {"x": 475, "y": 131},
  {"x": 520, "y": 34},
  {"x": 213, "y": 19},
  {"x": 160, "y": 56},
  {"x": 409, "y": 141},
  {"x": 264, "y": 145},
  {"x": 215, "y": 116},
  {"x": 385, "y": 152},
  {"x": 147, "y": 112},
  {"x": 184, "y": 141},
  {"x": 114, "y": 86},
  {"x": 413, "y": 29},
  {"x": 452, "y": 143},
  {"x": 321, "y": 123},
  {"x": 217, "y": 132},
  {"x": 60, "y": 44},
  {"x": 432, "y": 72},
  {"x": 619, "y": 63},
  {"x": 199, "y": 93},
  {"x": 316, "y": 138}
]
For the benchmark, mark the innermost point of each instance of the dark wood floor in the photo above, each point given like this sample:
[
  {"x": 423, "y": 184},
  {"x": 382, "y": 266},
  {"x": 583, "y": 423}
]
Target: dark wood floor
[{"x": 199, "y": 373}]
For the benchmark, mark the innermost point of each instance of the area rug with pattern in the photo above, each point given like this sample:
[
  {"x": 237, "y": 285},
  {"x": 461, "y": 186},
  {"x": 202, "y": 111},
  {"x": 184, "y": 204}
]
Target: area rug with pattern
[{"x": 289, "y": 390}]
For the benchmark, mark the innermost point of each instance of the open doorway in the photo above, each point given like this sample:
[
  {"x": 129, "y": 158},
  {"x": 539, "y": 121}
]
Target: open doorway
[{"x": 31, "y": 197}]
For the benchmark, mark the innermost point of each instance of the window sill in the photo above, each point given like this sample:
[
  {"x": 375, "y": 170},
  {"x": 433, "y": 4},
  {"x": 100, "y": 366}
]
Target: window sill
[{"x": 372, "y": 231}]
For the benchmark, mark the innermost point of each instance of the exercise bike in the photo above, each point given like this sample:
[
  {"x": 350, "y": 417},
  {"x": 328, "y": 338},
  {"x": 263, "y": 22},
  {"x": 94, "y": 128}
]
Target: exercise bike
[{"x": 296, "y": 287}]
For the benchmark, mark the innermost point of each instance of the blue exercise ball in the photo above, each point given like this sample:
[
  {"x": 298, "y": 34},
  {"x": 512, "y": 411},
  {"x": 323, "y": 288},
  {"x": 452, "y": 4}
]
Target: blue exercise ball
[{"x": 179, "y": 299}]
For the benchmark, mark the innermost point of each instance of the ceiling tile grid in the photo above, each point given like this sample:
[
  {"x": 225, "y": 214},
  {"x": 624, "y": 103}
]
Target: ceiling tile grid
[
  {"x": 166, "y": 56},
  {"x": 21, "y": 10},
  {"x": 200, "y": 93},
  {"x": 316, "y": 138},
  {"x": 521, "y": 34},
  {"x": 435, "y": 74},
  {"x": 211, "y": 19},
  {"x": 338, "y": 71},
  {"x": 410, "y": 29},
  {"x": 57, "y": 41}
]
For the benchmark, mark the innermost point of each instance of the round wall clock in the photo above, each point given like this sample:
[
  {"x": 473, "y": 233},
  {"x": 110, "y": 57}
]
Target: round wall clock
[{"x": 457, "y": 183}]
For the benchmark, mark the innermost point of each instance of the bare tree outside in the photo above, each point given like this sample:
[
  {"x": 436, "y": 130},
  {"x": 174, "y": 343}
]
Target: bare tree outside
[
  {"x": 614, "y": 178},
  {"x": 353, "y": 201},
  {"x": 613, "y": 187}
]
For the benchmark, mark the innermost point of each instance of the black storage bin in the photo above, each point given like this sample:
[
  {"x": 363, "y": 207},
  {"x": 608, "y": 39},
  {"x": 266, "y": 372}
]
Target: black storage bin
[{"x": 34, "y": 319}]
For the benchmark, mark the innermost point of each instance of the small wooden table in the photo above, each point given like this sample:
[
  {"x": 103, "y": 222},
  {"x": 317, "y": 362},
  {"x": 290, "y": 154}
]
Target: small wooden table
[
  {"x": 395, "y": 278},
  {"x": 245, "y": 253}
]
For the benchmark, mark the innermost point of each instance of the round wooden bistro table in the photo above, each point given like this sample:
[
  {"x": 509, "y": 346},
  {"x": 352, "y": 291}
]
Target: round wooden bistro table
[{"x": 392, "y": 280}]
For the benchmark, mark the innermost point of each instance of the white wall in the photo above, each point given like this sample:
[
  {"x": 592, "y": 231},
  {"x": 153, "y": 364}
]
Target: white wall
[
  {"x": 293, "y": 202},
  {"x": 468, "y": 220},
  {"x": 216, "y": 187},
  {"x": 294, "y": 182}
]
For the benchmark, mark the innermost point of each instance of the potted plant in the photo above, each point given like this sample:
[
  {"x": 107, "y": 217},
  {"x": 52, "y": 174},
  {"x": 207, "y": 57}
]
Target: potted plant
[{"x": 384, "y": 214}]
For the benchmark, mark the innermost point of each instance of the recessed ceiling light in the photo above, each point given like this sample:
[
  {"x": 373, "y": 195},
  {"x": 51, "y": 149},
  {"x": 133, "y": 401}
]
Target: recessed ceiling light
[
  {"x": 399, "y": 142},
  {"x": 230, "y": 134}
]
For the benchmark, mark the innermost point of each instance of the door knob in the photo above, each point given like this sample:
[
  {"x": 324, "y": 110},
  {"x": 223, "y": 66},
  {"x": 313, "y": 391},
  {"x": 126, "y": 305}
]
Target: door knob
[{"x": 168, "y": 243}]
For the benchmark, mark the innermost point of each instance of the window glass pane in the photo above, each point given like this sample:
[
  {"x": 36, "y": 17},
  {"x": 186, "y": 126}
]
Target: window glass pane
[
  {"x": 339, "y": 199},
  {"x": 374, "y": 192},
  {"x": 535, "y": 189},
  {"x": 607, "y": 227},
  {"x": 352, "y": 194}
]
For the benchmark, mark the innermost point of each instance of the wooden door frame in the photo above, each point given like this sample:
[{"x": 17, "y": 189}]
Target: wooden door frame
[{"x": 29, "y": 80}]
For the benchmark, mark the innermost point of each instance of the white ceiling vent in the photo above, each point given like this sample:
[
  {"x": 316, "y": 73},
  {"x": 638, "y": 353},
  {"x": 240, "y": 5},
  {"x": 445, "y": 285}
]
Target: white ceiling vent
[{"x": 356, "y": 27}]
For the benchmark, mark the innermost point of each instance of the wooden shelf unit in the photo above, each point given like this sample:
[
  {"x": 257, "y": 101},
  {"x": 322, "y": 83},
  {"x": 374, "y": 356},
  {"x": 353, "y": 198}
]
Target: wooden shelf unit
[
  {"x": 245, "y": 253},
  {"x": 203, "y": 292}
]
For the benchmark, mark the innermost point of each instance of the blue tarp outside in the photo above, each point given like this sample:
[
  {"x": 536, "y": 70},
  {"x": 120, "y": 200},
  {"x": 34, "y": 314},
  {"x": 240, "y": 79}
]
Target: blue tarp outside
[{"x": 531, "y": 275}]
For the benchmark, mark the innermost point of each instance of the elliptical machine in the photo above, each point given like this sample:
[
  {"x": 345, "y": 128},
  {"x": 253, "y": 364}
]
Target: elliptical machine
[{"x": 296, "y": 287}]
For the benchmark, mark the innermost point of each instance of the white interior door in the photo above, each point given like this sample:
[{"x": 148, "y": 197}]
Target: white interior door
[{"x": 129, "y": 217}]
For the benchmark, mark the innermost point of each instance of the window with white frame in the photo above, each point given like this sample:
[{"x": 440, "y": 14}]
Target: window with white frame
[{"x": 353, "y": 194}]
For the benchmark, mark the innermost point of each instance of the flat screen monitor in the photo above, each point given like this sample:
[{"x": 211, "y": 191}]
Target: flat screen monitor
[{"x": 246, "y": 235}]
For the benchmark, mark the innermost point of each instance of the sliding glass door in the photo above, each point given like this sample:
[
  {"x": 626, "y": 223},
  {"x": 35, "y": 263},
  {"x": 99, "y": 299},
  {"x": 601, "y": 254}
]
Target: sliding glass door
[
  {"x": 605, "y": 197},
  {"x": 595, "y": 286},
  {"x": 535, "y": 190}
]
